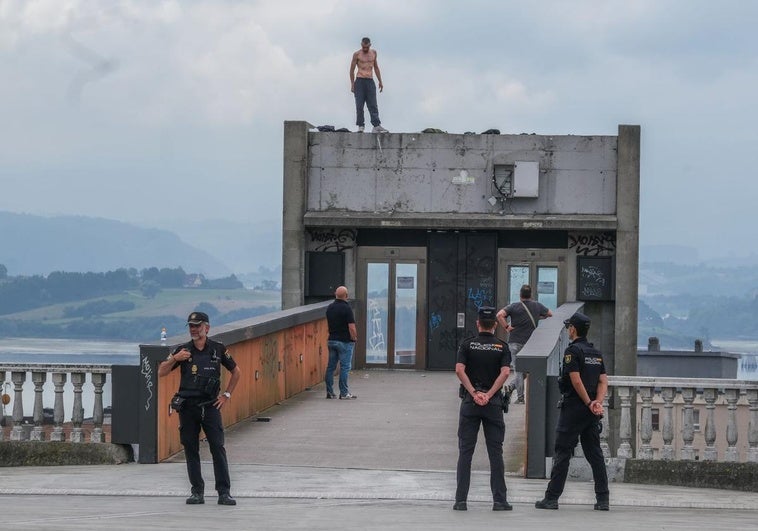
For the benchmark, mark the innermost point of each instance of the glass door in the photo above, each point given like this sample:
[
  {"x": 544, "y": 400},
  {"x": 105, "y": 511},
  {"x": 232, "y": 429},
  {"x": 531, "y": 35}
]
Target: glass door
[
  {"x": 547, "y": 286},
  {"x": 406, "y": 303},
  {"x": 392, "y": 330},
  {"x": 543, "y": 270},
  {"x": 377, "y": 306}
]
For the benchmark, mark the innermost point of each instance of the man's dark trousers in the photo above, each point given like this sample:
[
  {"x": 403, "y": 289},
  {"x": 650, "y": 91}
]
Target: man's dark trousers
[
  {"x": 365, "y": 93},
  {"x": 491, "y": 419},
  {"x": 191, "y": 420},
  {"x": 577, "y": 423}
]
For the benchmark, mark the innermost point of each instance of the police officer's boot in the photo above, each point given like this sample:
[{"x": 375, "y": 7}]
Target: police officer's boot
[
  {"x": 195, "y": 499},
  {"x": 602, "y": 504},
  {"x": 546, "y": 503}
]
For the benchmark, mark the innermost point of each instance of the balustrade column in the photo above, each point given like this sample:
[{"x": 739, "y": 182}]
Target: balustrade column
[
  {"x": 98, "y": 380},
  {"x": 18, "y": 378},
  {"x": 688, "y": 424},
  {"x": 646, "y": 424},
  {"x": 752, "y": 432},
  {"x": 38, "y": 378},
  {"x": 625, "y": 427},
  {"x": 77, "y": 415},
  {"x": 605, "y": 429},
  {"x": 732, "y": 455},
  {"x": 2, "y": 391},
  {"x": 667, "y": 452},
  {"x": 59, "y": 380},
  {"x": 710, "y": 453}
]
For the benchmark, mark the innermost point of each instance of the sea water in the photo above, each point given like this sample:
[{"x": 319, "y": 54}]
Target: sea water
[{"x": 67, "y": 352}]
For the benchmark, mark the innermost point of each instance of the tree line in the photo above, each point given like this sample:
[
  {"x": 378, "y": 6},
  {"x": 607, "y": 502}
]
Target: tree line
[{"x": 21, "y": 293}]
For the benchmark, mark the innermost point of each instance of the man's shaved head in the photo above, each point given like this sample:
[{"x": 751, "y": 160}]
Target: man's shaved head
[{"x": 341, "y": 293}]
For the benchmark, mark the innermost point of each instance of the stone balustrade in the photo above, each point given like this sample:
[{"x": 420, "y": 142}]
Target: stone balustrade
[
  {"x": 731, "y": 418},
  {"x": 59, "y": 375}
]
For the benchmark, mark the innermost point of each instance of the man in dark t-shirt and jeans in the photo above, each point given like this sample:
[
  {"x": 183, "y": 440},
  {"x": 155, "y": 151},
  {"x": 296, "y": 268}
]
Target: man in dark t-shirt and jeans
[
  {"x": 342, "y": 337},
  {"x": 524, "y": 316}
]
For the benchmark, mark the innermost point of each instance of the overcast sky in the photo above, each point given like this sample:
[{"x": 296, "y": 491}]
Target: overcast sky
[{"x": 135, "y": 110}]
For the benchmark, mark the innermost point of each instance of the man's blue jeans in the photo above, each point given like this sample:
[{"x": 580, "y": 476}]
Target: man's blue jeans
[{"x": 342, "y": 352}]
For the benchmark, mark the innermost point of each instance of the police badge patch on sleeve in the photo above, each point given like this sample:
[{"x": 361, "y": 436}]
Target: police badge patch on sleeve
[{"x": 567, "y": 359}]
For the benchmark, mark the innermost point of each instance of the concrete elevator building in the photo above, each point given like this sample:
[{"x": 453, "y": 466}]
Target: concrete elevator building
[{"x": 424, "y": 229}]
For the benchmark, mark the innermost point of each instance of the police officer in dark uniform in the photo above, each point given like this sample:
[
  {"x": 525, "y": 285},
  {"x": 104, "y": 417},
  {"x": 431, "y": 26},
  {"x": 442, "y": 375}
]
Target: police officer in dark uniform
[
  {"x": 482, "y": 366},
  {"x": 199, "y": 404},
  {"x": 583, "y": 384}
]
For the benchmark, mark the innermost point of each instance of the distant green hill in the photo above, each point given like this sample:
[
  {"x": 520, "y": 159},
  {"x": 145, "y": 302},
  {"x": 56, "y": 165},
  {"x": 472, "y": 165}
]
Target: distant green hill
[{"x": 169, "y": 308}]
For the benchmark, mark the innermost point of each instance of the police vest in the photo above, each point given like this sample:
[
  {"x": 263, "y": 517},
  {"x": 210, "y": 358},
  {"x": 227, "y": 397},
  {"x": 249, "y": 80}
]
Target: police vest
[{"x": 201, "y": 373}]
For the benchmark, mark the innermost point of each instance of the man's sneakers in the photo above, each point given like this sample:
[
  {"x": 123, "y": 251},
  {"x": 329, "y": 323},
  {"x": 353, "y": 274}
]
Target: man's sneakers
[
  {"x": 348, "y": 397},
  {"x": 460, "y": 506},
  {"x": 546, "y": 503},
  {"x": 195, "y": 499},
  {"x": 330, "y": 396},
  {"x": 379, "y": 129},
  {"x": 226, "y": 499},
  {"x": 360, "y": 128}
]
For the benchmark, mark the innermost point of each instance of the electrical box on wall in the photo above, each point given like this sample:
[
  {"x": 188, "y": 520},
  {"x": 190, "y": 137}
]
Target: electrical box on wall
[{"x": 526, "y": 179}]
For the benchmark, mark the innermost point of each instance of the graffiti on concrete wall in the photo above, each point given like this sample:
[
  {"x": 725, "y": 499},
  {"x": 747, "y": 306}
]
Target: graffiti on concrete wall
[
  {"x": 336, "y": 240},
  {"x": 597, "y": 244}
]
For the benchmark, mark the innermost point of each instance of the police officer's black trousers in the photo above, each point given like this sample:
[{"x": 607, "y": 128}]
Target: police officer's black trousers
[
  {"x": 577, "y": 422},
  {"x": 191, "y": 419},
  {"x": 491, "y": 419}
]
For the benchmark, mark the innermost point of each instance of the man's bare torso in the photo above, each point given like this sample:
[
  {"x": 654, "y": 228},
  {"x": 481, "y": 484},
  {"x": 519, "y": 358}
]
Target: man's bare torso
[{"x": 365, "y": 62}]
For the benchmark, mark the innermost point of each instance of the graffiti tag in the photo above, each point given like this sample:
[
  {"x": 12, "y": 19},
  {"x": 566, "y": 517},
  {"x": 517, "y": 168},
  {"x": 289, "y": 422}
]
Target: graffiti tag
[
  {"x": 147, "y": 372},
  {"x": 593, "y": 244},
  {"x": 376, "y": 340},
  {"x": 332, "y": 239}
]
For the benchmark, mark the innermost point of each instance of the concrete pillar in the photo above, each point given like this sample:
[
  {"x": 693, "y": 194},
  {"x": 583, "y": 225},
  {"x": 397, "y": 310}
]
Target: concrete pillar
[
  {"x": 627, "y": 261},
  {"x": 295, "y": 198},
  {"x": 627, "y": 248}
]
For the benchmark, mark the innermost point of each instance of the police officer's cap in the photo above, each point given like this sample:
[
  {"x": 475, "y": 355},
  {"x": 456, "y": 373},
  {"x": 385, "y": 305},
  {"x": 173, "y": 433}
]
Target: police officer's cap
[
  {"x": 487, "y": 313},
  {"x": 196, "y": 318},
  {"x": 579, "y": 321}
]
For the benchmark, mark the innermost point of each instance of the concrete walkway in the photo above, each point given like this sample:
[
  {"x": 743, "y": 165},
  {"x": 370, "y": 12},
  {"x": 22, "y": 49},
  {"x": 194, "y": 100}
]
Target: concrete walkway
[{"x": 383, "y": 461}]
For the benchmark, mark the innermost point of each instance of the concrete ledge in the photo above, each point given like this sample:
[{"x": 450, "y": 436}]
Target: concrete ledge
[
  {"x": 35, "y": 453},
  {"x": 700, "y": 474}
]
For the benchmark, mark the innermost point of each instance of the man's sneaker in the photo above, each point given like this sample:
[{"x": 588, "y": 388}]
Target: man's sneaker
[
  {"x": 348, "y": 397},
  {"x": 226, "y": 499},
  {"x": 195, "y": 499},
  {"x": 360, "y": 128},
  {"x": 379, "y": 129},
  {"x": 546, "y": 503},
  {"x": 460, "y": 506},
  {"x": 602, "y": 505},
  {"x": 330, "y": 395},
  {"x": 504, "y": 506}
]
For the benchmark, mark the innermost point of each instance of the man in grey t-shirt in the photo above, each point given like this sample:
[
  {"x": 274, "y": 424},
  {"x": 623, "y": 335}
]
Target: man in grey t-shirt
[{"x": 524, "y": 317}]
